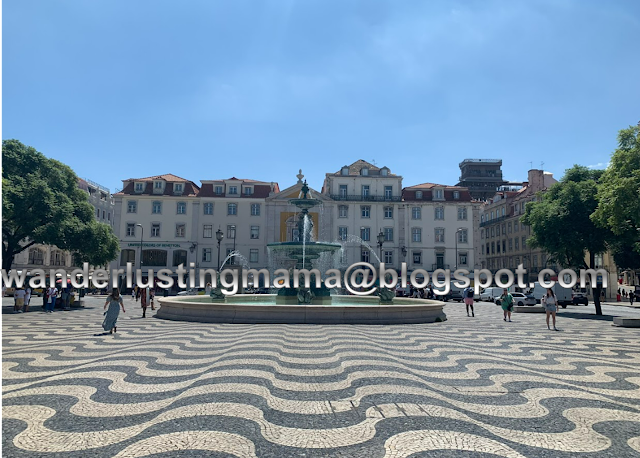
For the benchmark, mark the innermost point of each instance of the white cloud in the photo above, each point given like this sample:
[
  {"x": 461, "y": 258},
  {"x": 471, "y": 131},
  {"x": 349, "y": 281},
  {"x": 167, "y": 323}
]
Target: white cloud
[{"x": 599, "y": 165}]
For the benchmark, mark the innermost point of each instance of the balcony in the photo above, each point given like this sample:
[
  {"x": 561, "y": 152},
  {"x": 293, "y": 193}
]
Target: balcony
[
  {"x": 494, "y": 221},
  {"x": 368, "y": 198}
]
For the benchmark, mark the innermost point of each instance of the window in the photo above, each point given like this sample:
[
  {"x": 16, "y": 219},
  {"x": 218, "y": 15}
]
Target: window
[
  {"x": 345, "y": 170},
  {"x": 154, "y": 257},
  {"x": 517, "y": 240},
  {"x": 365, "y": 191},
  {"x": 179, "y": 257},
  {"x": 231, "y": 231},
  {"x": 108, "y": 216},
  {"x": 103, "y": 214},
  {"x": 498, "y": 247},
  {"x": 233, "y": 190},
  {"x": 177, "y": 188},
  {"x": 504, "y": 229},
  {"x": 384, "y": 171},
  {"x": 462, "y": 259},
  {"x": 157, "y": 185},
  {"x": 139, "y": 187},
  {"x": 439, "y": 235},
  {"x": 208, "y": 208},
  {"x": 504, "y": 246},
  {"x": 343, "y": 191},
  {"x": 232, "y": 259},
  {"x": 342, "y": 233},
  {"x": 510, "y": 244},
  {"x": 388, "y": 192},
  {"x": 416, "y": 213},
  {"x": 364, "y": 255},
  {"x": 418, "y": 194},
  {"x": 417, "y": 257},
  {"x": 482, "y": 249},
  {"x": 365, "y": 234},
  {"x": 218, "y": 190},
  {"x": 535, "y": 260},
  {"x": 253, "y": 255},
  {"x": 388, "y": 257},
  {"x": 487, "y": 247},
  {"x": 206, "y": 255},
  {"x": 181, "y": 230},
  {"x": 182, "y": 208},
  {"x": 509, "y": 227},
  {"x": 462, "y": 236},
  {"x": 482, "y": 218},
  {"x": 248, "y": 191},
  {"x": 493, "y": 249},
  {"x": 416, "y": 234},
  {"x": 155, "y": 230},
  {"x": 232, "y": 209},
  {"x": 522, "y": 205},
  {"x": 131, "y": 230},
  {"x": 57, "y": 258},
  {"x": 388, "y": 234},
  {"x": 98, "y": 213},
  {"x": 255, "y": 209},
  {"x": 365, "y": 211},
  {"x": 462, "y": 213},
  {"x": 364, "y": 171},
  {"x": 524, "y": 243},
  {"x": 156, "y": 207},
  {"x": 127, "y": 256},
  {"x": 492, "y": 215},
  {"x": 255, "y": 232},
  {"x": 439, "y": 213},
  {"x": 388, "y": 212},
  {"x": 481, "y": 233},
  {"x": 342, "y": 211},
  {"x": 207, "y": 231},
  {"x": 493, "y": 231},
  {"x": 456, "y": 195},
  {"x": 515, "y": 226},
  {"x": 132, "y": 206},
  {"x": 503, "y": 211},
  {"x": 438, "y": 194}
]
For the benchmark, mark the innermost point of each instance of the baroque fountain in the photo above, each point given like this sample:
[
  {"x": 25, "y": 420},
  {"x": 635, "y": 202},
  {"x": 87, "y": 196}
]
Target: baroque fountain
[{"x": 313, "y": 305}]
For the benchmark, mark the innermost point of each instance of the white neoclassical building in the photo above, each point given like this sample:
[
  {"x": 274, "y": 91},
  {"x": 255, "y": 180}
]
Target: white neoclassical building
[{"x": 172, "y": 220}]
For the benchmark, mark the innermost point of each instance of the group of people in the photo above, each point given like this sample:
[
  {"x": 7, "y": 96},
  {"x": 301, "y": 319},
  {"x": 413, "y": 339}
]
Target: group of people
[
  {"x": 549, "y": 301},
  {"x": 115, "y": 303},
  {"x": 631, "y": 295},
  {"x": 22, "y": 298},
  {"x": 421, "y": 293}
]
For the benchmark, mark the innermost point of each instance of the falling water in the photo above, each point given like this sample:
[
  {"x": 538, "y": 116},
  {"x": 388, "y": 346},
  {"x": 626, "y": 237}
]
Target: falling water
[
  {"x": 236, "y": 254},
  {"x": 305, "y": 233},
  {"x": 355, "y": 239}
]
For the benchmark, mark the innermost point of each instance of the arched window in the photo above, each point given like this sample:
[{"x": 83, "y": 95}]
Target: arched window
[
  {"x": 128, "y": 256},
  {"x": 154, "y": 257},
  {"x": 36, "y": 256},
  {"x": 179, "y": 257},
  {"x": 57, "y": 258}
]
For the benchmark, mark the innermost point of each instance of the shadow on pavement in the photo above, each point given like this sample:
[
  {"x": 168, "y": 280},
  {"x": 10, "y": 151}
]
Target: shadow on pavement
[{"x": 585, "y": 316}]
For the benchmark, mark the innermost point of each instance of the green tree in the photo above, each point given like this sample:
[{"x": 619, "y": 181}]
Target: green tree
[
  {"x": 561, "y": 224},
  {"x": 41, "y": 203},
  {"x": 619, "y": 200}
]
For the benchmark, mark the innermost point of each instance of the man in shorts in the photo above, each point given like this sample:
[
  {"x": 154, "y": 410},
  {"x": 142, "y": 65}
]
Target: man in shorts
[
  {"x": 19, "y": 295},
  {"x": 468, "y": 300}
]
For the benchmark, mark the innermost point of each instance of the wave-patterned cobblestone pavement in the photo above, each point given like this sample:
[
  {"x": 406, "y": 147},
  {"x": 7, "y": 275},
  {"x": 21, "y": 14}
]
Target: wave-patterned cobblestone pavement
[{"x": 468, "y": 387}]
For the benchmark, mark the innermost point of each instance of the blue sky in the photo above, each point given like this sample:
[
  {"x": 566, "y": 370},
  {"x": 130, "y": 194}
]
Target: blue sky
[{"x": 258, "y": 89}]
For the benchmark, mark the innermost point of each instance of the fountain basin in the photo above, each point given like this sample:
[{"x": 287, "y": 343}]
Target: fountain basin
[{"x": 262, "y": 309}]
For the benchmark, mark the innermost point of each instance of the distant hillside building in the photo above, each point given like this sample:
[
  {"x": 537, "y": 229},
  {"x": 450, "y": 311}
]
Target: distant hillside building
[{"x": 481, "y": 176}]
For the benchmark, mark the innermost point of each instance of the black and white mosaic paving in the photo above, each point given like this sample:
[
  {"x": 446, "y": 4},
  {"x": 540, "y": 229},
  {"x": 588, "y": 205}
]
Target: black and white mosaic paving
[{"x": 468, "y": 387}]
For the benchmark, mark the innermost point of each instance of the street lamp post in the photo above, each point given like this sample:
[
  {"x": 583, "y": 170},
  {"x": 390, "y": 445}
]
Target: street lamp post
[
  {"x": 404, "y": 252},
  {"x": 141, "y": 237},
  {"x": 219, "y": 237},
  {"x": 380, "y": 242},
  {"x": 456, "y": 263}
]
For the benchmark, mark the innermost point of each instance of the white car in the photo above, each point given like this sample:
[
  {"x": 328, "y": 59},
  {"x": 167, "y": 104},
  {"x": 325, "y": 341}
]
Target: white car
[
  {"x": 490, "y": 294},
  {"x": 521, "y": 299}
]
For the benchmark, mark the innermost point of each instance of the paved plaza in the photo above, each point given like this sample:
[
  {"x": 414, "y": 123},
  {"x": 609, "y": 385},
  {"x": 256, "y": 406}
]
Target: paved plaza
[{"x": 467, "y": 387}]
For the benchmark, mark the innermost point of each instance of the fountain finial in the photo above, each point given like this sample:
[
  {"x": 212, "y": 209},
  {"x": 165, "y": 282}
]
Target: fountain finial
[
  {"x": 300, "y": 176},
  {"x": 304, "y": 190}
]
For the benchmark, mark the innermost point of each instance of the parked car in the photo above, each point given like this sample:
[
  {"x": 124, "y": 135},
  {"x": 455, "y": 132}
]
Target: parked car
[
  {"x": 580, "y": 298},
  {"x": 491, "y": 294},
  {"x": 192, "y": 292},
  {"x": 563, "y": 295},
  {"x": 521, "y": 299}
]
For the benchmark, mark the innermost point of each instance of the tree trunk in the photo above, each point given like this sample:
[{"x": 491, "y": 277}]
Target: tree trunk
[
  {"x": 7, "y": 257},
  {"x": 597, "y": 289}
]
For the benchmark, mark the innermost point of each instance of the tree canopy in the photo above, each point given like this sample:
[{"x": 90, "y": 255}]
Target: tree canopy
[
  {"x": 619, "y": 199},
  {"x": 561, "y": 224},
  {"x": 42, "y": 203}
]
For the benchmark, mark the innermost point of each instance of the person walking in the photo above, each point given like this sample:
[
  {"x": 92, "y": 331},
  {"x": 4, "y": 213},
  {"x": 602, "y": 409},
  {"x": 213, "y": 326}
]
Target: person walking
[
  {"x": 114, "y": 302},
  {"x": 52, "y": 295},
  {"x": 27, "y": 299},
  {"x": 632, "y": 296},
  {"x": 65, "y": 295},
  {"x": 550, "y": 306},
  {"x": 468, "y": 300},
  {"x": 18, "y": 296},
  {"x": 207, "y": 289},
  {"x": 144, "y": 300},
  {"x": 506, "y": 302}
]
